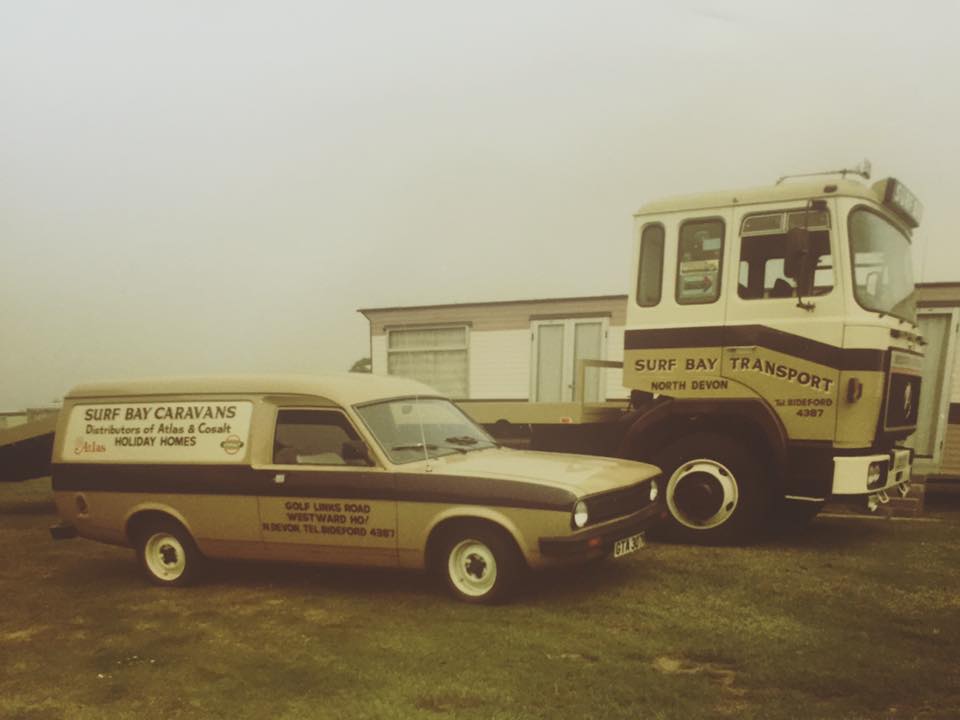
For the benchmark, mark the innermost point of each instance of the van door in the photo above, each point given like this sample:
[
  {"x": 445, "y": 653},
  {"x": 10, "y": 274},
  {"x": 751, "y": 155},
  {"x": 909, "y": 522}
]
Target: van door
[{"x": 319, "y": 502}]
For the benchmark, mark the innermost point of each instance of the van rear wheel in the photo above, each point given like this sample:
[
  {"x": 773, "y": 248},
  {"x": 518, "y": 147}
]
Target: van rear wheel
[{"x": 168, "y": 554}]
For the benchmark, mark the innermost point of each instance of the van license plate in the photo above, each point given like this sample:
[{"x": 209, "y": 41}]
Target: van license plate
[{"x": 628, "y": 545}]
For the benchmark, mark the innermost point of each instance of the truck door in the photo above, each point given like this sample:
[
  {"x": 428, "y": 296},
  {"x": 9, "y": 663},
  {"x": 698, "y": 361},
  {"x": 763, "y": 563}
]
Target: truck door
[
  {"x": 780, "y": 343},
  {"x": 319, "y": 502}
]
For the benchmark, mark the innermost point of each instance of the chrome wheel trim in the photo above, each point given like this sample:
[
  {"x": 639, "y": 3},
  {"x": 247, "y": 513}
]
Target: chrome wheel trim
[{"x": 709, "y": 471}]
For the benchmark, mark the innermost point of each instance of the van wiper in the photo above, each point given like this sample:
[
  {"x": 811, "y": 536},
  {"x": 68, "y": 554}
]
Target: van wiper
[
  {"x": 469, "y": 440},
  {"x": 429, "y": 446}
]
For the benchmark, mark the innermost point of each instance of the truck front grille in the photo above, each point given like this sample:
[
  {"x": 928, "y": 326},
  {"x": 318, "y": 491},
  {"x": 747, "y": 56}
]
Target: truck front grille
[{"x": 903, "y": 401}]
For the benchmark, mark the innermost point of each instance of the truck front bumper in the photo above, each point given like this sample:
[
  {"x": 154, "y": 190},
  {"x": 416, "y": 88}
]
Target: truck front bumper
[{"x": 865, "y": 474}]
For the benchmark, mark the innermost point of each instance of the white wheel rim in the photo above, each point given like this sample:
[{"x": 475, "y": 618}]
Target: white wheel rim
[
  {"x": 472, "y": 568},
  {"x": 164, "y": 556},
  {"x": 708, "y": 478}
]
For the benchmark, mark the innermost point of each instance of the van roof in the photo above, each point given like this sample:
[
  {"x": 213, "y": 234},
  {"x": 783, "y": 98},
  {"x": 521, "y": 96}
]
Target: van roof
[{"x": 343, "y": 389}]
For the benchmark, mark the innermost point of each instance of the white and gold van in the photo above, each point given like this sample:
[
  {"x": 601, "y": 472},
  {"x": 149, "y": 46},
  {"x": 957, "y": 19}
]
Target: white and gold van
[{"x": 354, "y": 469}]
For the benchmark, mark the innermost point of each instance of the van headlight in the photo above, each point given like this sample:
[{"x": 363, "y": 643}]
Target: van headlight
[
  {"x": 654, "y": 490},
  {"x": 580, "y": 514}
]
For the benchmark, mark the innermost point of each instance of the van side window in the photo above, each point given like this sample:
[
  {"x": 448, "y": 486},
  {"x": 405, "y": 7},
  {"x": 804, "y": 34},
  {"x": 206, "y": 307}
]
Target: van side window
[
  {"x": 311, "y": 437},
  {"x": 699, "y": 261},
  {"x": 650, "y": 275}
]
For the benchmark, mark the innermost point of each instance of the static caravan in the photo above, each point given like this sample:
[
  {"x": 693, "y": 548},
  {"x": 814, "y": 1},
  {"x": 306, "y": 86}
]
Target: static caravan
[
  {"x": 516, "y": 350},
  {"x": 937, "y": 440}
]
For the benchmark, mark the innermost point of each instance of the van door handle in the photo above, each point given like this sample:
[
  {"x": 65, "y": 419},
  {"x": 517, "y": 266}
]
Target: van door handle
[
  {"x": 740, "y": 348},
  {"x": 279, "y": 479}
]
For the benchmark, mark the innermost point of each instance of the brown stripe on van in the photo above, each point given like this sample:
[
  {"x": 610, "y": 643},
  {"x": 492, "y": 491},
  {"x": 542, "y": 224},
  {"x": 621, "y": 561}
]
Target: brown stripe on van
[{"x": 341, "y": 484}]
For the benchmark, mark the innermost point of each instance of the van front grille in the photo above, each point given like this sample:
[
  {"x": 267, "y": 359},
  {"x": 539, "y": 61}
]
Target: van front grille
[{"x": 618, "y": 502}]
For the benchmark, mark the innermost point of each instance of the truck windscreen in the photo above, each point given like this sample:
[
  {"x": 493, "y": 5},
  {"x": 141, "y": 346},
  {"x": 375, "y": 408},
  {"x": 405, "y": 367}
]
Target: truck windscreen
[{"x": 882, "y": 267}]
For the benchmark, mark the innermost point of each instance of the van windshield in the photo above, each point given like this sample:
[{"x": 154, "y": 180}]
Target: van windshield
[{"x": 413, "y": 429}]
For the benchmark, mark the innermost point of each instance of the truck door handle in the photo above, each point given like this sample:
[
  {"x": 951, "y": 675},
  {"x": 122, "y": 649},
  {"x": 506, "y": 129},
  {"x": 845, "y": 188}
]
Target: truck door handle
[
  {"x": 741, "y": 348},
  {"x": 279, "y": 479}
]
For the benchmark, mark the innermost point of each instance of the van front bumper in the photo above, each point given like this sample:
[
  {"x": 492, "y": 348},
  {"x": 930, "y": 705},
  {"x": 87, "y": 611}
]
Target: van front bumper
[
  {"x": 599, "y": 540},
  {"x": 865, "y": 474}
]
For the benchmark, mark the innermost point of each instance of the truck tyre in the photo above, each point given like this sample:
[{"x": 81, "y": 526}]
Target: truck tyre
[
  {"x": 480, "y": 564},
  {"x": 714, "y": 489},
  {"x": 168, "y": 554}
]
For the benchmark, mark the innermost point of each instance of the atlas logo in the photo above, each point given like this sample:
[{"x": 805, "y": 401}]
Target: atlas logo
[{"x": 83, "y": 446}]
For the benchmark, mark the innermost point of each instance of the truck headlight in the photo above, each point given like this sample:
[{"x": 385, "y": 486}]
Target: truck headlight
[
  {"x": 580, "y": 514},
  {"x": 654, "y": 490},
  {"x": 873, "y": 474}
]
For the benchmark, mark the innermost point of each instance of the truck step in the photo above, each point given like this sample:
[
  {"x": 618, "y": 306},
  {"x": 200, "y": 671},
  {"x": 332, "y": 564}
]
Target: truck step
[{"x": 910, "y": 506}]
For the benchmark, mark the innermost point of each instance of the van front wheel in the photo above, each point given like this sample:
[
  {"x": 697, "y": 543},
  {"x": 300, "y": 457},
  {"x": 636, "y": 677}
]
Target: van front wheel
[
  {"x": 168, "y": 554},
  {"x": 481, "y": 564}
]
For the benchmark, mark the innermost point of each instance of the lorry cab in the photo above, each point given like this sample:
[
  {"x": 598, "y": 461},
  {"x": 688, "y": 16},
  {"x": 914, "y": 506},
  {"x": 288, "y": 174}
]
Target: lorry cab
[{"x": 777, "y": 323}]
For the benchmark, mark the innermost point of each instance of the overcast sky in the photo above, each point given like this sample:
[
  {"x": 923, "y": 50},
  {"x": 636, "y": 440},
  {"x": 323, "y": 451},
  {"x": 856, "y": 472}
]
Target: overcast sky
[{"x": 207, "y": 187}]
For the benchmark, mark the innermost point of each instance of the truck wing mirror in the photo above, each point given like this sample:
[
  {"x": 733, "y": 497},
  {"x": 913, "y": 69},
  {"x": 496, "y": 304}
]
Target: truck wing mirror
[
  {"x": 800, "y": 263},
  {"x": 798, "y": 248},
  {"x": 355, "y": 452}
]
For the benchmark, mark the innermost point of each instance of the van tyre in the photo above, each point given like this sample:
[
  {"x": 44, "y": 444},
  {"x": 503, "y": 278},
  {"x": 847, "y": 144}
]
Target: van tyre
[
  {"x": 168, "y": 555},
  {"x": 715, "y": 490},
  {"x": 480, "y": 564}
]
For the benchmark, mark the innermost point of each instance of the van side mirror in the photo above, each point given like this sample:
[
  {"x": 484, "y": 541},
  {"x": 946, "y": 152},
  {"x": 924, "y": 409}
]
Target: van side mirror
[
  {"x": 798, "y": 260},
  {"x": 355, "y": 452}
]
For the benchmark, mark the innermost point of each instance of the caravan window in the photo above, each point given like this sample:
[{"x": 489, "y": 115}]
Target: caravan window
[{"x": 436, "y": 356}]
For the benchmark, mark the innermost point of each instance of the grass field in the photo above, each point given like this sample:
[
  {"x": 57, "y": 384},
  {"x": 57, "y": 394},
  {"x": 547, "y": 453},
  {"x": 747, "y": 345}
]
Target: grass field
[{"x": 853, "y": 619}]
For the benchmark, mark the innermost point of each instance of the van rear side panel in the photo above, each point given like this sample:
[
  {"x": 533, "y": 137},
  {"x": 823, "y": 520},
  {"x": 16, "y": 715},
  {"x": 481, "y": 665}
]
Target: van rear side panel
[{"x": 187, "y": 459}]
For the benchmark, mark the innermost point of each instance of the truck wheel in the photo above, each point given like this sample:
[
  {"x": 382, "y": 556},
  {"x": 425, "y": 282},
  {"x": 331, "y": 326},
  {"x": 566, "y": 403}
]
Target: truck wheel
[
  {"x": 168, "y": 554},
  {"x": 714, "y": 489},
  {"x": 480, "y": 564}
]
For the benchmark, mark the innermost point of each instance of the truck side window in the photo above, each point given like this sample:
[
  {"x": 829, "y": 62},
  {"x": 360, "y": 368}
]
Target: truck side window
[
  {"x": 761, "y": 267},
  {"x": 311, "y": 437},
  {"x": 650, "y": 275},
  {"x": 699, "y": 261},
  {"x": 763, "y": 250}
]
